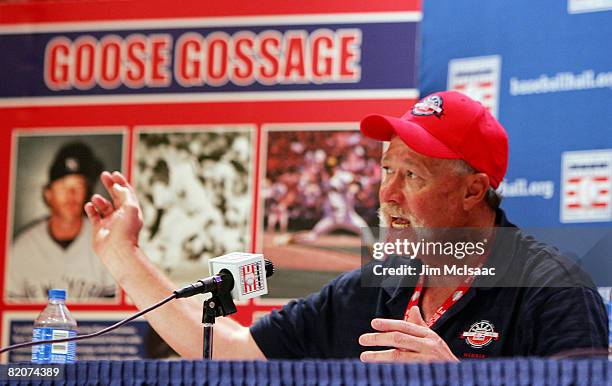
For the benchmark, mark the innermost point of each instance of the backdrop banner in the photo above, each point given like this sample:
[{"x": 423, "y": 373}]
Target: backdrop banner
[{"x": 178, "y": 98}]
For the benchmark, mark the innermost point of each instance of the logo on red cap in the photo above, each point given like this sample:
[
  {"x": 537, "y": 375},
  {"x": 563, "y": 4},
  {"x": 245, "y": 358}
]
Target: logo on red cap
[{"x": 432, "y": 105}]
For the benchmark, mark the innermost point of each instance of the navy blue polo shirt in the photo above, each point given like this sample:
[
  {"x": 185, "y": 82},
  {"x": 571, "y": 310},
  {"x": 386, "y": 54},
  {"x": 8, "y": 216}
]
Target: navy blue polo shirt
[{"x": 538, "y": 318}]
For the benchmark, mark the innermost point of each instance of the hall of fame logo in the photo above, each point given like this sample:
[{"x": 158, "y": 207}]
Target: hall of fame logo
[
  {"x": 586, "y": 186},
  {"x": 432, "y": 105},
  {"x": 477, "y": 77},
  {"x": 480, "y": 334}
]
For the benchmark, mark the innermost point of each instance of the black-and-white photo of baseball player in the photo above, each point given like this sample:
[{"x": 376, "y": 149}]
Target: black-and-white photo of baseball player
[{"x": 195, "y": 186}]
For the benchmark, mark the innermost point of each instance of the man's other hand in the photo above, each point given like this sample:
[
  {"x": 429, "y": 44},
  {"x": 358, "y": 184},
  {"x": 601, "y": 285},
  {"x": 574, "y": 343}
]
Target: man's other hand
[{"x": 412, "y": 341}]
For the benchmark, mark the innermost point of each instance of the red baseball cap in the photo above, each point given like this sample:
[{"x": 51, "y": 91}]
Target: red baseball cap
[{"x": 448, "y": 124}]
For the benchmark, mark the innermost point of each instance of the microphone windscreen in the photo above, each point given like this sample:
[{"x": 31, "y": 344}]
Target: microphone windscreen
[{"x": 269, "y": 268}]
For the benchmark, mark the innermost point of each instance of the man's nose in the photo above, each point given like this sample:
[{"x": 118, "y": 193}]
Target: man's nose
[{"x": 391, "y": 190}]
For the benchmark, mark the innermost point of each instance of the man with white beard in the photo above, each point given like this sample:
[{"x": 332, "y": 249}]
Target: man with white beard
[{"x": 446, "y": 157}]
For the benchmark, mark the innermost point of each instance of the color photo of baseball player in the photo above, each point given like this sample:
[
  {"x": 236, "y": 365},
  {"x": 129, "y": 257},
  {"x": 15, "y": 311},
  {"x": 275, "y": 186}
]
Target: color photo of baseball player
[
  {"x": 194, "y": 184},
  {"x": 320, "y": 193},
  {"x": 51, "y": 237}
]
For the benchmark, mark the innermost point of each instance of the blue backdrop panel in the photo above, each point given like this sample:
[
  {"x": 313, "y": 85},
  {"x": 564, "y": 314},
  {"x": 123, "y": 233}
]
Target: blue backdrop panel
[
  {"x": 547, "y": 74},
  {"x": 545, "y": 70}
]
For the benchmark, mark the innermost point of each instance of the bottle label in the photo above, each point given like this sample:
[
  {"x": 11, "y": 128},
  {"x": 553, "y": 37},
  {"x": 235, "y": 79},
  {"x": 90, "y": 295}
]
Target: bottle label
[{"x": 64, "y": 352}]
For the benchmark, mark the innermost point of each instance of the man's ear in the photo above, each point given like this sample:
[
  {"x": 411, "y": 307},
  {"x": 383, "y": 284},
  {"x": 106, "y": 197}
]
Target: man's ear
[
  {"x": 477, "y": 185},
  {"x": 46, "y": 193}
]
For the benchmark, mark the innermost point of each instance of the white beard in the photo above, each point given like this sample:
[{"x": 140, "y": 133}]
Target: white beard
[{"x": 382, "y": 219}]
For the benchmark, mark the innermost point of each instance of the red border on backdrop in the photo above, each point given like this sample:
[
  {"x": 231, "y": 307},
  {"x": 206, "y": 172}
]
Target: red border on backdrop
[{"x": 71, "y": 11}]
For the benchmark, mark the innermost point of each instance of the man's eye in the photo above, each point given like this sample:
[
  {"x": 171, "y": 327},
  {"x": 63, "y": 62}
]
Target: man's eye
[
  {"x": 410, "y": 174},
  {"x": 386, "y": 170}
]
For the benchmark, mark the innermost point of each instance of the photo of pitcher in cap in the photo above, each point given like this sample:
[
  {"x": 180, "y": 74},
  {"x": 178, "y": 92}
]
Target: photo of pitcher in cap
[{"x": 54, "y": 250}]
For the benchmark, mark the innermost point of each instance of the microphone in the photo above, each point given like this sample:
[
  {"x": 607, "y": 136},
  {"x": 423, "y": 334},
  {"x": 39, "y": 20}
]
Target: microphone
[{"x": 244, "y": 274}]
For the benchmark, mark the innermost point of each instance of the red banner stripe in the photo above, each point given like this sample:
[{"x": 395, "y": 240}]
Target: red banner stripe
[{"x": 69, "y": 11}]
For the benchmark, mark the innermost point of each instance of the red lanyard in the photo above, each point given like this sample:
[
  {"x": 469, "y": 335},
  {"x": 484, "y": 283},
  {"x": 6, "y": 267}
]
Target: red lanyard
[{"x": 452, "y": 299}]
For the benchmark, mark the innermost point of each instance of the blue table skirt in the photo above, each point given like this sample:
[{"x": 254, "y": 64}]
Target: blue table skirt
[{"x": 486, "y": 372}]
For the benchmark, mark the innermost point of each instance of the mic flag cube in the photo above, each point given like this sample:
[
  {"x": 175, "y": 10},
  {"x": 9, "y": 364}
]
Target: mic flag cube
[{"x": 248, "y": 270}]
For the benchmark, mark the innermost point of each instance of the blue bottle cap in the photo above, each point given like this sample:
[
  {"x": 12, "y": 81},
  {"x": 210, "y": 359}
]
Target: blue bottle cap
[{"x": 57, "y": 294}]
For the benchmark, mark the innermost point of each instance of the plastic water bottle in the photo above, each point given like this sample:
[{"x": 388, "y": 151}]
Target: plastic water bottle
[{"x": 55, "y": 322}]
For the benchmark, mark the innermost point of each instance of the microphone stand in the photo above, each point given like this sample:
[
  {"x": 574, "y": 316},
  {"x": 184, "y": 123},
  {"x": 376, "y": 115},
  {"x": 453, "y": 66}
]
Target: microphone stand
[{"x": 220, "y": 304}]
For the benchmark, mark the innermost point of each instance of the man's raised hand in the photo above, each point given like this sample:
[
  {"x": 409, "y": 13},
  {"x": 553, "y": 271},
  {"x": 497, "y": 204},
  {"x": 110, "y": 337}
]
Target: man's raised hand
[{"x": 117, "y": 223}]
